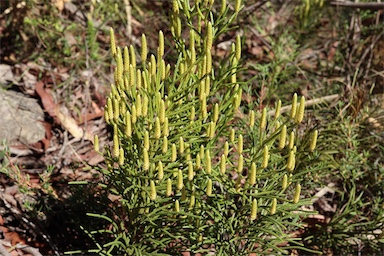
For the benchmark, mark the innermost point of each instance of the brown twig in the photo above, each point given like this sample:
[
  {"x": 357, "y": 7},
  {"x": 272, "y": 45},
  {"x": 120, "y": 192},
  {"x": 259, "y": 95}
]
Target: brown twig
[
  {"x": 128, "y": 7},
  {"x": 308, "y": 103},
  {"x": 4, "y": 251},
  {"x": 23, "y": 247},
  {"x": 374, "y": 6},
  {"x": 28, "y": 249}
]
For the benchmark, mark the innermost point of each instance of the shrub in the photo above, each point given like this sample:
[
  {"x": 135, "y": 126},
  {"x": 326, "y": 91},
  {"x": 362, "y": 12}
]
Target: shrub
[{"x": 193, "y": 172}]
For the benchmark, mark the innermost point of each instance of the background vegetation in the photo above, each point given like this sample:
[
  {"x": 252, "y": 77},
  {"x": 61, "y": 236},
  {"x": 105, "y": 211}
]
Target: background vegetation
[{"x": 332, "y": 55}]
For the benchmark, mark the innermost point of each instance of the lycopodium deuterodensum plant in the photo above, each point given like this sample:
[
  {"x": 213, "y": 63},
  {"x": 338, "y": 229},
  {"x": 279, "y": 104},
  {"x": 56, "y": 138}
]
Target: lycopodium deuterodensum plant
[{"x": 189, "y": 175}]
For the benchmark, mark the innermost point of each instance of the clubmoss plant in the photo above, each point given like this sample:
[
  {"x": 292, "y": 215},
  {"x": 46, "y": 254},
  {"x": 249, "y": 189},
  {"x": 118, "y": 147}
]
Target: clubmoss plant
[
  {"x": 188, "y": 174},
  {"x": 305, "y": 8},
  {"x": 357, "y": 221}
]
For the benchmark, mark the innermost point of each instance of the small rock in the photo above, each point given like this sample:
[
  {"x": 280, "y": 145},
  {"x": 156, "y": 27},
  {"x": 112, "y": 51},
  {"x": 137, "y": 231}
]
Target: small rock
[
  {"x": 21, "y": 119},
  {"x": 6, "y": 75}
]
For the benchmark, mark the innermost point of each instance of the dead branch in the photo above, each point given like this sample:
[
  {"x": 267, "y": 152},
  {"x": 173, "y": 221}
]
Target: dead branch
[
  {"x": 308, "y": 103},
  {"x": 374, "y": 6}
]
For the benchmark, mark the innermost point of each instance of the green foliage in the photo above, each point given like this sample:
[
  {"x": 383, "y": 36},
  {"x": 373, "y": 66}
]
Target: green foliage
[
  {"x": 277, "y": 77},
  {"x": 308, "y": 10},
  {"x": 91, "y": 39},
  {"x": 57, "y": 34},
  {"x": 48, "y": 32},
  {"x": 357, "y": 221},
  {"x": 189, "y": 174},
  {"x": 35, "y": 195}
]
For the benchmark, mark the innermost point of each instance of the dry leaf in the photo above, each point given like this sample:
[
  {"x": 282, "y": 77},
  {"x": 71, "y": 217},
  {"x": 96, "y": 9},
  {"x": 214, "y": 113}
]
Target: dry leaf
[
  {"x": 60, "y": 4},
  {"x": 46, "y": 98},
  {"x": 70, "y": 124}
]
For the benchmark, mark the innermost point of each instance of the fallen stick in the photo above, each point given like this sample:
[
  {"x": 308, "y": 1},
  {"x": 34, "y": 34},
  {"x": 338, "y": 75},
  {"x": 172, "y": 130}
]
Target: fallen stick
[
  {"x": 308, "y": 103},
  {"x": 374, "y": 6}
]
